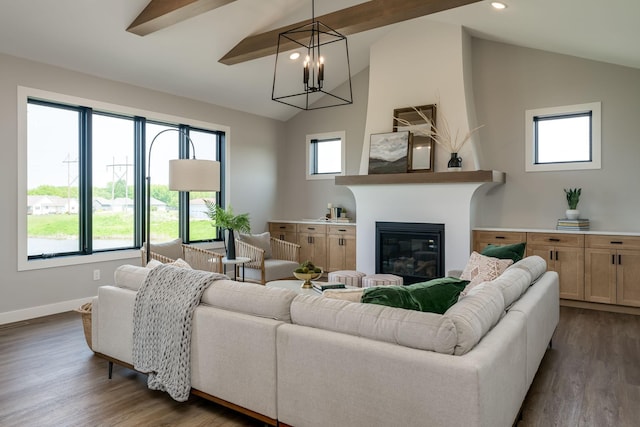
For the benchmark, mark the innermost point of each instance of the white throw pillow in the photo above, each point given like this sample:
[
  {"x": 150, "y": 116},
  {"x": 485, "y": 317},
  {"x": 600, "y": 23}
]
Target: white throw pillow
[
  {"x": 482, "y": 268},
  {"x": 262, "y": 241},
  {"x": 182, "y": 264}
]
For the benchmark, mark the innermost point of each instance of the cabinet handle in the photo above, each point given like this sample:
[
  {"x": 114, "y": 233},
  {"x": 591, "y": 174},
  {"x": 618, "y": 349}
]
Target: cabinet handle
[
  {"x": 342, "y": 229},
  {"x": 616, "y": 242},
  {"x": 282, "y": 237},
  {"x": 613, "y": 259},
  {"x": 310, "y": 228},
  {"x": 551, "y": 255},
  {"x": 282, "y": 227},
  {"x": 619, "y": 259},
  {"x": 556, "y": 255},
  {"x": 553, "y": 239},
  {"x": 500, "y": 237}
]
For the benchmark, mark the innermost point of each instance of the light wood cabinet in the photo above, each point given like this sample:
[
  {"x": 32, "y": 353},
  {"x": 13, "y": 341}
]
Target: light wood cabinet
[
  {"x": 330, "y": 246},
  {"x": 564, "y": 254},
  {"x": 341, "y": 248},
  {"x": 612, "y": 268},
  {"x": 482, "y": 238},
  {"x": 312, "y": 239},
  {"x": 284, "y": 231}
]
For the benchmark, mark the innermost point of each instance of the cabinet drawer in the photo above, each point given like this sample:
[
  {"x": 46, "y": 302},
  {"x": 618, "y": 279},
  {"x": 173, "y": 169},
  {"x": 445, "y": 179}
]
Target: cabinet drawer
[
  {"x": 555, "y": 239},
  {"x": 341, "y": 230},
  {"x": 612, "y": 242},
  {"x": 312, "y": 228},
  {"x": 499, "y": 237},
  {"x": 275, "y": 227}
]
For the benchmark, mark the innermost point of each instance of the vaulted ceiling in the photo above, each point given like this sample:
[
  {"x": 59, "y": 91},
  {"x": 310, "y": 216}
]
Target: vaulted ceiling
[{"x": 181, "y": 50}]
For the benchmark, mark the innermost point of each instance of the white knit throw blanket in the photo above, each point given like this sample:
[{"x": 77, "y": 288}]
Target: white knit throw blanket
[{"x": 162, "y": 319}]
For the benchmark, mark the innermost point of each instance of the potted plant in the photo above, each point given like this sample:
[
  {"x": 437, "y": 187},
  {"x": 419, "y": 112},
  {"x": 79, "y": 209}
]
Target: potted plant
[
  {"x": 226, "y": 220},
  {"x": 573, "y": 197}
]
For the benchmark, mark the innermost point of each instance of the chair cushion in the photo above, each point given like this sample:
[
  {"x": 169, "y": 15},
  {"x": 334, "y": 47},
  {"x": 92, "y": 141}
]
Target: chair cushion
[
  {"x": 274, "y": 269},
  {"x": 171, "y": 249},
  {"x": 262, "y": 241}
]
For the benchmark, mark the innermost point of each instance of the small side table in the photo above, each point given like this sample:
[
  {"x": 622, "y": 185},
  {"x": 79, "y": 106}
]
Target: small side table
[{"x": 239, "y": 261}]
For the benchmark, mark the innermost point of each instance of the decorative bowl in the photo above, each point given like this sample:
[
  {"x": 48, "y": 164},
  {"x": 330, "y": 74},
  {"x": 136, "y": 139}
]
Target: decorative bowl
[{"x": 307, "y": 277}]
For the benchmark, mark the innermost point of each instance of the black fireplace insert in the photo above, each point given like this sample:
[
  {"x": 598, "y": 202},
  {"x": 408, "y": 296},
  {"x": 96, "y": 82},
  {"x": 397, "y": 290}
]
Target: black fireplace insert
[{"x": 413, "y": 250}]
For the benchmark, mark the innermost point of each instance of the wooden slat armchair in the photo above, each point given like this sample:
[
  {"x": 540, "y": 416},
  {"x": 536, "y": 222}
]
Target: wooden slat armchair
[
  {"x": 285, "y": 258},
  {"x": 197, "y": 258}
]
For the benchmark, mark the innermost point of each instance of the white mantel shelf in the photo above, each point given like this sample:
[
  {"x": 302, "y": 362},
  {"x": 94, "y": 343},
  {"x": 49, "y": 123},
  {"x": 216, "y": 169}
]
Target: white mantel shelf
[{"x": 423, "y": 178}]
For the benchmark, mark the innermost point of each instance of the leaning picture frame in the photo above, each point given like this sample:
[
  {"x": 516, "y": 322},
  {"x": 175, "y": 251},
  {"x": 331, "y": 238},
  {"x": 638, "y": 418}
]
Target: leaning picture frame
[
  {"x": 421, "y": 149},
  {"x": 388, "y": 152}
]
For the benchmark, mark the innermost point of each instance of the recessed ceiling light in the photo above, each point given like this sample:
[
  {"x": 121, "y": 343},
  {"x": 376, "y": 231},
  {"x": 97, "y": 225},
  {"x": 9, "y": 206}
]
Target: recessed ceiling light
[
  {"x": 294, "y": 56},
  {"x": 498, "y": 5}
]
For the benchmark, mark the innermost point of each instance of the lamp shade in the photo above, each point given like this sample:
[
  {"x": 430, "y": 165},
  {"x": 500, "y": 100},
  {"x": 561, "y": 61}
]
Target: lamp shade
[{"x": 194, "y": 175}]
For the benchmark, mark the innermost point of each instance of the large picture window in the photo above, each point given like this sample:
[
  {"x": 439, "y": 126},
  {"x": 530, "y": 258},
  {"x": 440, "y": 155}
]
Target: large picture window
[
  {"x": 563, "y": 138},
  {"x": 85, "y": 180}
]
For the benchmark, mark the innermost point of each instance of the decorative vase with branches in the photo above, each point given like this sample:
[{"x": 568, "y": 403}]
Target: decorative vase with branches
[
  {"x": 452, "y": 142},
  {"x": 226, "y": 220}
]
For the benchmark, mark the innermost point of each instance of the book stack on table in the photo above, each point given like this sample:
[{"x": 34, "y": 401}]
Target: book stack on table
[
  {"x": 579, "y": 224},
  {"x": 323, "y": 286}
]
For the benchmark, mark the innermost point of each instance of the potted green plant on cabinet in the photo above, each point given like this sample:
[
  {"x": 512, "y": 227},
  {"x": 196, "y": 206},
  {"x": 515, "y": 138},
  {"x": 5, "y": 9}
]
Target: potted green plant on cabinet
[
  {"x": 573, "y": 197},
  {"x": 226, "y": 220}
]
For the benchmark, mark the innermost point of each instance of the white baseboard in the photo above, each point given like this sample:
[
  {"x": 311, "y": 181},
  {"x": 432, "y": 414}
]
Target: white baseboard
[{"x": 40, "y": 311}]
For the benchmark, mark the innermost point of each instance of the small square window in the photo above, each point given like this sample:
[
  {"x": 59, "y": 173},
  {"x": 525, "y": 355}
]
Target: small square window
[
  {"x": 325, "y": 155},
  {"x": 563, "y": 138}
]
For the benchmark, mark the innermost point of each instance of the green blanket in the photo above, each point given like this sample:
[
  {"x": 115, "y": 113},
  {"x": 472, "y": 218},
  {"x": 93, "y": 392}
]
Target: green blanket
[{"x": 435, "y": 296}]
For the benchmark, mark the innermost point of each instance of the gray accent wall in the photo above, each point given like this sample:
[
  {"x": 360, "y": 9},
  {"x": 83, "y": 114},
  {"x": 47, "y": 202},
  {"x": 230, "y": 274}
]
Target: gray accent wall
[{"x": 508, "y": 80}]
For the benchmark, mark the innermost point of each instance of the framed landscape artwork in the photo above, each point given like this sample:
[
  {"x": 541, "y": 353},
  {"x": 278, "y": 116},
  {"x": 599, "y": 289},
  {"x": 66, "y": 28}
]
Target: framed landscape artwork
[
  {"x": 421, "y": 147},
  {"x": 388, "y": 152}
]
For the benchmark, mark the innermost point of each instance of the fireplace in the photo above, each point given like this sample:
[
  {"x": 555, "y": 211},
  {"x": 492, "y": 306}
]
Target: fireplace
[{"x": 412, "y": 250}]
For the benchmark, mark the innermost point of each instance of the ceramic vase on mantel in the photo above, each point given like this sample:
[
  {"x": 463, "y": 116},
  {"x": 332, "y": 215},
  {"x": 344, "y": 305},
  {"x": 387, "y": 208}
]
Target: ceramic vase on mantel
[{"x": 455, "y": 163}]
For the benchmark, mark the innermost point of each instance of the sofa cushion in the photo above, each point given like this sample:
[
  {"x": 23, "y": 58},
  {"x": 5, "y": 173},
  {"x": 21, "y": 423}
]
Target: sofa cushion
[
  {"x": 482, "y": 268},
  {"x": 435, "y": 296},
  {"x": 474, "y": 316},
  {"x": 130, "y": 276},
  {"x": 514, "y": 252},
  {"x": 415, "y": 329},
  {"x": 512, "y": 284},
  {"x": 262, "y": 241},
  {"x": 250, "y": 298},
  {"x": 535, "y": 265},
  {"x": 353, "y": 295}
]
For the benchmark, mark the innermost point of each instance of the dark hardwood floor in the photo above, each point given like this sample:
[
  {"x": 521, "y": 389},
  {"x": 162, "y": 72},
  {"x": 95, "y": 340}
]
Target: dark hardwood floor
[{"x": 48, "y": 377}]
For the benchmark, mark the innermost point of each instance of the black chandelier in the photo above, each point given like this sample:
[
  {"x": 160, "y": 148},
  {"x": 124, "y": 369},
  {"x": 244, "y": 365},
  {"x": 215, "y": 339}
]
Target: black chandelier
[{"x": 299, "y": 78}]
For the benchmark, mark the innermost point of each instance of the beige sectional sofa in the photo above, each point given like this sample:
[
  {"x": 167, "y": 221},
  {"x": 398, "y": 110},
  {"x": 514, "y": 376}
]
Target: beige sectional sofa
[{"x": 306, "y": 360}]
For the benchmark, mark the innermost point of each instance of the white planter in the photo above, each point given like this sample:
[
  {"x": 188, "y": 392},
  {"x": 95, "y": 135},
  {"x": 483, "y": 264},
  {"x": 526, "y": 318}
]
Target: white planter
[{"x": 572, "y": 213}]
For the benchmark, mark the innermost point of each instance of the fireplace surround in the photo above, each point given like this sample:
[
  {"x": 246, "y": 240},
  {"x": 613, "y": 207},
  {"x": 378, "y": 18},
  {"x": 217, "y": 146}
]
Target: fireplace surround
[{"x": 412, "y": 250}]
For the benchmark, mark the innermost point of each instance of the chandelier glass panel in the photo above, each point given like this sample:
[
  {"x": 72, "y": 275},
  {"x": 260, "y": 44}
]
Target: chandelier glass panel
[{"x": 312, "y": 67}]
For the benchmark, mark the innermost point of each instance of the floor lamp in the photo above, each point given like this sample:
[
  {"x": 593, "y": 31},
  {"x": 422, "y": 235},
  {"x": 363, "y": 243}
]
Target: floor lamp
[{"x": 184, "y": 175}]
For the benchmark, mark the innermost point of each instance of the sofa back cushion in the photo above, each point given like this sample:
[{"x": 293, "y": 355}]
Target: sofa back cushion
[
  {"x": 535, "y": 265},
  {"x": 474, "y": 316},
  {"x": 415, "y": 329},
  {"x": 512, "y": 284},
  {"x": 250, "y": 298},
  {"x": 130, "y": 276}
]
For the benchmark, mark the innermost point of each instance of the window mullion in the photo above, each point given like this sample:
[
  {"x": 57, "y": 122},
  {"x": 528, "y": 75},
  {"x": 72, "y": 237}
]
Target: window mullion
[
  {"x": 85, "y": 193},
  {"x": 140, "y": 168}
]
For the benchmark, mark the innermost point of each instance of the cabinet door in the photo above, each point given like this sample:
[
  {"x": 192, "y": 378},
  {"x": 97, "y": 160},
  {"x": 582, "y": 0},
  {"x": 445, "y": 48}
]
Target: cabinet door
[
  {"x": 600, "y": 275},
  {"x": 628, "y": 272},
  {"x": 313, "y": 244},
  {"x": 341, "y": 252},
  {"x": 568, "y": 262},
  {"x": 482, "y": 238}
]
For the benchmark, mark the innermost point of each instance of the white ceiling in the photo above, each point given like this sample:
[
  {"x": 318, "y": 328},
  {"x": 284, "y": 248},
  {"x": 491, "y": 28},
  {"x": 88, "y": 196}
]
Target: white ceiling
[{"x": 89, "y": 36}]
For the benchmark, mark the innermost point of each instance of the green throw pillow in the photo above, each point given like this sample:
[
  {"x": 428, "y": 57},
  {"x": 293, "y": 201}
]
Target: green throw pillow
[
  {"x": 514, "y": 252},
  {"x": 434, "y": 296}
]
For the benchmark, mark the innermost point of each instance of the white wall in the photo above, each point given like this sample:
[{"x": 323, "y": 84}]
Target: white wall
[{"x": 253, "y": 143}]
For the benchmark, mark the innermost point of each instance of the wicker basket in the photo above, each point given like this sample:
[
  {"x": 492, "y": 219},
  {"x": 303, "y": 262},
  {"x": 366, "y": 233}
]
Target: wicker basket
[{"x": 85, "y": 312}]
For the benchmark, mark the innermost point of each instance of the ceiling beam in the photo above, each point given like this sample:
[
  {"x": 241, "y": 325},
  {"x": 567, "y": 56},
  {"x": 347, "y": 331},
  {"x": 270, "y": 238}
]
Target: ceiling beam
[
  {"x": 161, "y": 14},
  {"x": 352, "y": 20}
]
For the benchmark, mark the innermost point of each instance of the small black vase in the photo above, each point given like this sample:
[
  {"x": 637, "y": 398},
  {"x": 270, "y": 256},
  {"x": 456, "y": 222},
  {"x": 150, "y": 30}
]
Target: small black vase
[
  {"x": 231, "y": 245},
  {"x": 455, "y": 162}
]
